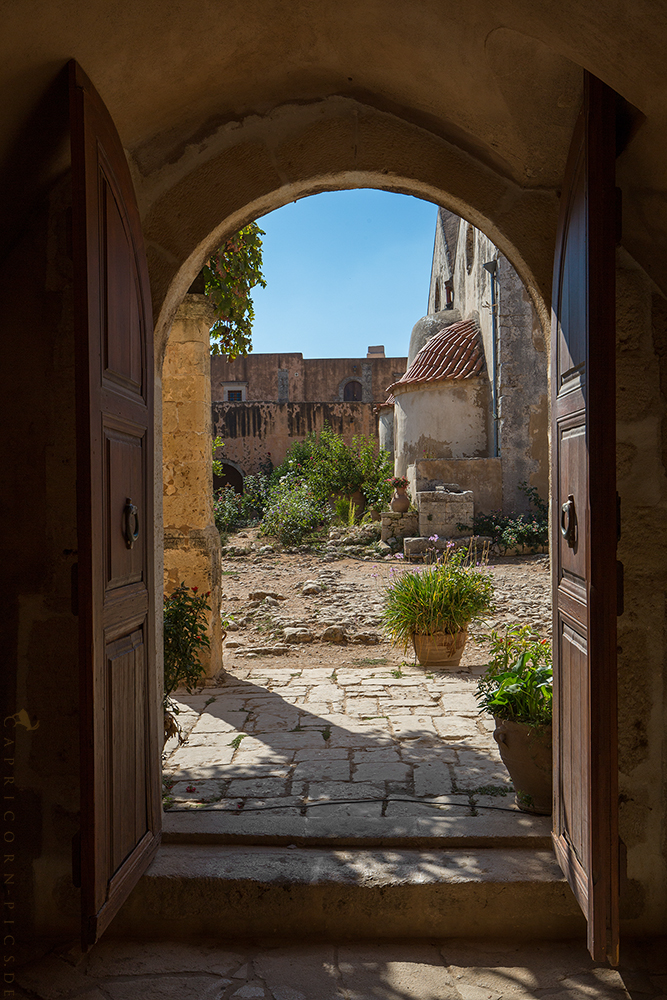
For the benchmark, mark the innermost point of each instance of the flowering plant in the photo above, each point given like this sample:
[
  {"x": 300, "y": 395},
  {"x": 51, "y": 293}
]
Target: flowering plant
[
  {"x": 518, "y": 683},
  {"x": 398, "y": 482},
  {"x": 446, "y": 597}
]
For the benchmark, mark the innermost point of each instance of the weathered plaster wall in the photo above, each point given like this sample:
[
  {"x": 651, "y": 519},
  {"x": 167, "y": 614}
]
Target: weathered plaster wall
[
  {"x": 641, "y": 469},
  {"x": 255, "y": 433},
  {"x": 521, "y": 369},
  {"x": 311, "y": 379},
  {"x": 482, "y": 476},
  {"x": 442, "y": 420},
  {"x": 192, "y": 552}
]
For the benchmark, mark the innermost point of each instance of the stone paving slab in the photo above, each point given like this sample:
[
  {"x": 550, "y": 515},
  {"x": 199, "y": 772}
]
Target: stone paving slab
[
  {"x": 436, "y": 970},
  {"x": 335, "y": 713}
]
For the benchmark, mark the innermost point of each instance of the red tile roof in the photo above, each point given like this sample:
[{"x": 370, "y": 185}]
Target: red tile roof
[{"x": 454, "y": 352}]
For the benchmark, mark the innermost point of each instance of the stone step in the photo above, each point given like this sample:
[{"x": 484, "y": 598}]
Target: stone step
[
  {"x": 411, "y": 824},
  {"x": 233, "y": 891}
]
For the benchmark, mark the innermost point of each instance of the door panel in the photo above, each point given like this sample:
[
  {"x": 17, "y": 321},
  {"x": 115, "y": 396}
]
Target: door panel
[
  {"x": 585, "y": 830},
  {"x": 120, "y": 775}
]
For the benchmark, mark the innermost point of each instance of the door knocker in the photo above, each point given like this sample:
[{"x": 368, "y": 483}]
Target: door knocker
[
  {"x": 130, "y": 522},
  {"x": 568, "y": 522}
]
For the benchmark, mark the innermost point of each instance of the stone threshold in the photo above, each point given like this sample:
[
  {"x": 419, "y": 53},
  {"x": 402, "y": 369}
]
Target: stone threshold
[
  {"x": 315, "y": 893},
  {"x": 489, "y": 829}
]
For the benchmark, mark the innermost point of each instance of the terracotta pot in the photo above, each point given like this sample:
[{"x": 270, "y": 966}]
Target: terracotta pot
[
  {"x": 526, "y": 753},
  {"x": 400, "y": 501},
  {"x": 441, "y": 649}
]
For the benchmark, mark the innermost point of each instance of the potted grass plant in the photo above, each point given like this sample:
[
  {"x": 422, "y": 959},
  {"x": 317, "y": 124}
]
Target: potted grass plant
[
  {"x": 517, "y": 690},
  {"x": 432, "y": 608}
]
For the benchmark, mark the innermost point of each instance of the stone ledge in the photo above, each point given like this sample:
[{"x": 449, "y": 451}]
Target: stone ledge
[{"x": 320, "y": 894}]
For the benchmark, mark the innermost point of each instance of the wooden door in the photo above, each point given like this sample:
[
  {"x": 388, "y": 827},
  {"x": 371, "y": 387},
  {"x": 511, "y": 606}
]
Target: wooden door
[
  {"x": 585, "y": 829},
  {"x": 120, "y": 774}
]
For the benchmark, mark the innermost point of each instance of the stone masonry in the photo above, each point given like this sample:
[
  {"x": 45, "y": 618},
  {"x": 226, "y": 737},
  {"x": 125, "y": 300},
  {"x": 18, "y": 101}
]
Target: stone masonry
[
  {"x": 440, "y": 512},
  {"x": 191, "y": 540}
]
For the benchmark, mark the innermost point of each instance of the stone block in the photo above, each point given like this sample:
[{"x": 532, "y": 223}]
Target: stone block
[
  {"x": 440, "y": 513},
  {"x": 381, "y": 771},
  {"x": 322, "y": 770},
  {"x": 432, "y": 778},
  {"x": 398, "y": 526}
]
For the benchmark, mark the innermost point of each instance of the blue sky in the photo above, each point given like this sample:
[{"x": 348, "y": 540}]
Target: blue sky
[{"x": 344, "y": 270}]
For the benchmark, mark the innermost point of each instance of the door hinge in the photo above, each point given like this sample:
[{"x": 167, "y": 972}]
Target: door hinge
[
  {"x": 619, "y": 589},
  {"x": 74, "y": 588}
]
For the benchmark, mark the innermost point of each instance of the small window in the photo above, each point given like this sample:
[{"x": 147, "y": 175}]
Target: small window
[
  {"x": 235, "y": 395},
  {"x": 352, "y": 392}
]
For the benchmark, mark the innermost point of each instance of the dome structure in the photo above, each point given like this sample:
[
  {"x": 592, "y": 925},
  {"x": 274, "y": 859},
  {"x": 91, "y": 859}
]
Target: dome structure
[
  {"x": 455, "y": 352},
  {"x": 427, "y": 327}
]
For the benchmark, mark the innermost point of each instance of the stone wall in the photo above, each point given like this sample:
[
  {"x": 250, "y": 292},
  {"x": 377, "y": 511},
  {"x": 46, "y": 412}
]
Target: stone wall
[
  {"x": 641, "y": 469},
  {"x": 482, "y": 476},
  {"x": 257, "y": 433},
  {"x": 191, "y": 541},
  {"x": 460, "y": 253},
  {"x": 304, "y": 379}
]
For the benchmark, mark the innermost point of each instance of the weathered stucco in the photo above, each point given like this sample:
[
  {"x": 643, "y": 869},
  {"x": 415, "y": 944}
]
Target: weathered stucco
[
  {"x": 440, "y": 420},
  {"x": 313, "y": 380},
  {"x": 259, "y": 434},
  {"x": 192, "y": 551},
  {"x": 482, "y": 476}
]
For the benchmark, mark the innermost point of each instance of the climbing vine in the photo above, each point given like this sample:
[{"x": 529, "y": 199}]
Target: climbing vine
[{"x": 229, "y": 276}]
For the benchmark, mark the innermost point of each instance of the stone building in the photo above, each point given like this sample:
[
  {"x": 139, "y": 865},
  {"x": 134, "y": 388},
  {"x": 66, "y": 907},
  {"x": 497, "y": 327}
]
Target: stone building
[
  {"x": 219, "y": 120},
  {"x": 262, "y": 403},
  {"x": 472, "y": 407}
]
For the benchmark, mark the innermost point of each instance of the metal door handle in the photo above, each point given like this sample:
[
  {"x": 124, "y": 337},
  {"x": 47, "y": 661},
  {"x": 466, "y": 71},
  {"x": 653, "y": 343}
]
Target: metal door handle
[
  {"x": 130, "y": 522},
  {"x": 568, "y": 522}
]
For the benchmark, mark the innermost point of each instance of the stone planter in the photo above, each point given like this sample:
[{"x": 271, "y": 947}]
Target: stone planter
[
  {"x": 442, "y": 649},
  {"x": 527, "y": 755},
  {"x": 400, "y": 501}
]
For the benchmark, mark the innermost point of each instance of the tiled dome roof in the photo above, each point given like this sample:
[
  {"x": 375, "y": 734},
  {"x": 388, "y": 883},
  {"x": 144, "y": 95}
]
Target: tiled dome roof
[{"x": 455, "y": 352}]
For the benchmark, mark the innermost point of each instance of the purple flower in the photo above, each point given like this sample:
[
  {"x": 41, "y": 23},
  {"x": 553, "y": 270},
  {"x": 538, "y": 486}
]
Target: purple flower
[
  {"x": 433, "y": 538},
  {"x": 398, "y": 555}
]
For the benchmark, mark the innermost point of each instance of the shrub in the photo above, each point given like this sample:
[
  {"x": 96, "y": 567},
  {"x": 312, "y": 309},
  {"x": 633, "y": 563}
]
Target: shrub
[
  {"x": 185, "y": 627},
  {"x": 515, "y": 530},
  {"x": 332, "y": 467},
  {"x": 293, "y": 512},
  {"x": 233, "y": 510},
  {"x": 443, "y": 598},
  {"x": 518, "y": 683}
]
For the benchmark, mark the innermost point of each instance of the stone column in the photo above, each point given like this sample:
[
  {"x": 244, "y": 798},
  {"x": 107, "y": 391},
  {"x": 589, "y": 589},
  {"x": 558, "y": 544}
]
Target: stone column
[{"x": 192, "y": 551}]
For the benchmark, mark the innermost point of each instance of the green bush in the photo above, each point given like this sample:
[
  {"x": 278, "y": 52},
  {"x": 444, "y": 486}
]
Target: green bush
[
  {"x": 293, "y": 512},
  {"x": 333, "y": 468},
  {"x": 518, "y": 683},
  {"x": 511, "y": 531},
  {"x": 443, "y": 598},
  {"x": 185, "y": 628},
  {"x": 233, "y": 510}
]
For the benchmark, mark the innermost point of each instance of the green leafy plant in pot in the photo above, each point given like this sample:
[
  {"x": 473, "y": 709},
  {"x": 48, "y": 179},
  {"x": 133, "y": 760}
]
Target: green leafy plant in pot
[
  {"x": 433, "y": 608},
  {"x": 517, "y": 690}
]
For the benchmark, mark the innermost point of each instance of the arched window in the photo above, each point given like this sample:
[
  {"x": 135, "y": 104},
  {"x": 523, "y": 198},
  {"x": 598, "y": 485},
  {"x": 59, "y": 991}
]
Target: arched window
[{"x": 352, "y": 392}]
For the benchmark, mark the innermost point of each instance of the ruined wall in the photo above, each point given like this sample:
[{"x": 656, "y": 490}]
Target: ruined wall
[
  {"x": 191, "y": 541},
  {"x": 291, "y": 378},
  {"x": 257, "y": 433},
  {"x": 641, "y": 469},
  {"x": 441, "y": 420}
]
